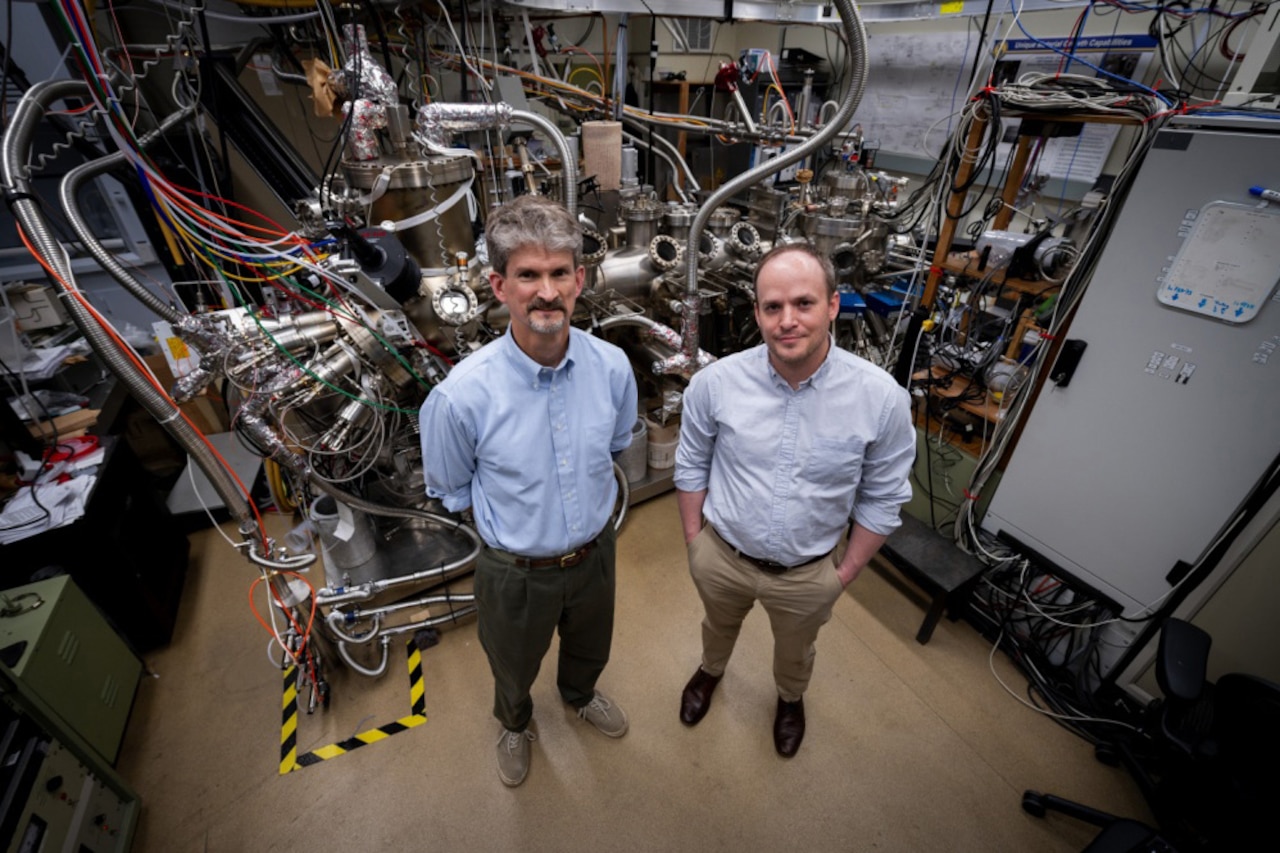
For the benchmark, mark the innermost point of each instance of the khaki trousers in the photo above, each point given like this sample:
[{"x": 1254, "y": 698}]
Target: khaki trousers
[{"x": 798, "y": 603}]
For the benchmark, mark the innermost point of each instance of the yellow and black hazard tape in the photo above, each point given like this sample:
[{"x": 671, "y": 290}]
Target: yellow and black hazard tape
[{"x": 289, "y": 758}]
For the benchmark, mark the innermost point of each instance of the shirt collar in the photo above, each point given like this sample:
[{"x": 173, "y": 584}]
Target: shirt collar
[
  {"x": 815, "y": 380},
  {"x": 526, "y": 368}
]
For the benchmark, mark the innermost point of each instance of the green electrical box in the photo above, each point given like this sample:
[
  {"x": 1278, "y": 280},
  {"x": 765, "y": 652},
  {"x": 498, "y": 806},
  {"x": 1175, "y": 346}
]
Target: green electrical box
[{"x": 59, "y": 646}]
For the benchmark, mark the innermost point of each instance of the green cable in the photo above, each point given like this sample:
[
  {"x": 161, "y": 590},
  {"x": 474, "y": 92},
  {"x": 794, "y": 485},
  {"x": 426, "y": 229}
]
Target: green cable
[{"x": 243, "y": 303}]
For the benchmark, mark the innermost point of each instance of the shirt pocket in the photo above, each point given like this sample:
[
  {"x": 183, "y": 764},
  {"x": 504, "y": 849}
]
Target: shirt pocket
[{"x": 835, "y": 461}]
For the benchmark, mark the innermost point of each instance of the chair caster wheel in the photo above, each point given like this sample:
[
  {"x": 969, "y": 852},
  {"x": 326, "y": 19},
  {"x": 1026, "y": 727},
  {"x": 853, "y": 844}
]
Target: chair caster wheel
[{"x": 1033, "y": 803}]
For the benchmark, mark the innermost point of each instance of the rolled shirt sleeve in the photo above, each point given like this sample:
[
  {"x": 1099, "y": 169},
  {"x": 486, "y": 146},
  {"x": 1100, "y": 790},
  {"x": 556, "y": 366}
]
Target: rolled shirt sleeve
[{"x": 697, "y": 436}]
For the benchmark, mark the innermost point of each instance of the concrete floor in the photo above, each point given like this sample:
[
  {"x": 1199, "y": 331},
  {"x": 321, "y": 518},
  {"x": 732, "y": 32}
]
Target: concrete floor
[{"x": 908, "y": 748}]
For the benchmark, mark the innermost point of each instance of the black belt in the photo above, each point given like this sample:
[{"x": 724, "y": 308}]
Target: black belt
[
  {"x": 564, "y": 561},
  {"x": 770, "y": 566}
]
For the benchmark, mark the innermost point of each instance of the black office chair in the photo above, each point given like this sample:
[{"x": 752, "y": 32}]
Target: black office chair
[{"x": 1208, "y": 762}]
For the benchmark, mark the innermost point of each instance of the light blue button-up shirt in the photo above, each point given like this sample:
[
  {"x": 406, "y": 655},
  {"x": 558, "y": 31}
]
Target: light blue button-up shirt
[
  {"x": 530, "y": 448},
  {"x": 786, "y": 469}
]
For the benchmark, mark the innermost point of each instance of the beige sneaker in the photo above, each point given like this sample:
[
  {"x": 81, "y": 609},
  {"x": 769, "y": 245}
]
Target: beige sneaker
[
  {"x": 513, "y": 756},
  {"x": 606, "y": 716}
]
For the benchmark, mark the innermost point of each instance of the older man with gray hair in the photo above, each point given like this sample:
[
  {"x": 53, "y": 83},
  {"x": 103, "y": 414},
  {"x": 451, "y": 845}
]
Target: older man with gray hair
[{"x": 523, "y": 434}]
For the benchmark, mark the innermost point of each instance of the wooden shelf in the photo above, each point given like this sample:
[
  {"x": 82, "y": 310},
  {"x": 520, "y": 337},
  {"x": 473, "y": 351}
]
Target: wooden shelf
[
  {"x": 942, "y": 255},
  {"x": 962, "y": 263},
  {"x": 1072, "y": 118},
  {"x": 988, "y": 409}
]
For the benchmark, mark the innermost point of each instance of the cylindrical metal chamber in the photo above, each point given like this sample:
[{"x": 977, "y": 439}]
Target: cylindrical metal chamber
[{"x": 413, "y": 188}]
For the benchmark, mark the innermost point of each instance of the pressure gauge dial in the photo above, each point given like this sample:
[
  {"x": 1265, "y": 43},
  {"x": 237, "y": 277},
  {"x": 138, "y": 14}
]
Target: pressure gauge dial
[{"x": 454, "y": 304}]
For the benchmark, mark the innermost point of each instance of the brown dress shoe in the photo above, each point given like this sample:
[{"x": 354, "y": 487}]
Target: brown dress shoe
[
  {"x": 696, "y": 698},
  {"x": 788, "y": 727}
]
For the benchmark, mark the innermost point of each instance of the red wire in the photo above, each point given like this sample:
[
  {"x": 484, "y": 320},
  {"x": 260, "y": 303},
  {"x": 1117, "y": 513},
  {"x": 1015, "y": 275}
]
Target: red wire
[
  {"x": 305, "y": 635},
  {"x": 168, "y": 188},
  {"x": 128, "y": 351},
  {"x": 1075, "y": 34},
  {"x": 435, "y": 351}
]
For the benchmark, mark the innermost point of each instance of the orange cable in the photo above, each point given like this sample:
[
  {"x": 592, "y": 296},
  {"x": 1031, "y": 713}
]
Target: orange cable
[
  {"x": 305, "y": 635},
  {"x": 128, "y": 351}
]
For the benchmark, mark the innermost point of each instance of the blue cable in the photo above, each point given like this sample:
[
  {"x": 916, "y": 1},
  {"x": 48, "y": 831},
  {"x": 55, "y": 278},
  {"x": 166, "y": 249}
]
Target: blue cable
[
  {"x": 1018, "y": 20},
  {"x": 1075, "y": 42},
  {"x": 1062, "y": 200},
  {"x": 151, "y": 196},
  {"x": 1270, "y": 116}
]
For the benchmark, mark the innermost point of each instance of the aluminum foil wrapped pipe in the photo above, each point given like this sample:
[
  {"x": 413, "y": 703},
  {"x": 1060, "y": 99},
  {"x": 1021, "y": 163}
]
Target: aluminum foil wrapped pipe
[
  {"x": 365, "y": 76},
  {"x": 652, "y": 328},
  {"x": 250, "y": 419},
  {"x": 679, "y": 364},
  {"x": 16, "y": 143},
  {"x": 266, "y": 438},
  {"x": 213, "y": 346},
  {"x": 374, "y": 92},
  {"x": 856, "y": 38},
  {"x": 188, "y": 386},
  {"x": 437, "y": 122},
  {"x": 665, "y": 335},
  {"x": 199, "y": 331},
  {"x": 365, "y": 118}
]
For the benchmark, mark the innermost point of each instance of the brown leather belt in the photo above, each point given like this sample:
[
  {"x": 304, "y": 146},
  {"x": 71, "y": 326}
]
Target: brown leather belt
[
  {"x": 773, "y": 568},
  {"x": 564, "y": 561}
]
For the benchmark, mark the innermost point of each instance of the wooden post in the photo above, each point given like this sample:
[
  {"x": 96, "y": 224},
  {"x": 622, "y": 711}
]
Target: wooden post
[
  {"x": 955, "y": 204},
  {"x": 1013, "y": 182},
  {"x": 1026, "y": 321}
]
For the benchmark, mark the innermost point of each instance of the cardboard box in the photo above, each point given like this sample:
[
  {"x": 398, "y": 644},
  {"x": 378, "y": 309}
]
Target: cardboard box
[
  {"x": 36, "y": 307},
  {"x": 160, "y": 367},
  {"x": 207, "y": 416},
  {"x": 68, "y": 426},
  {"x": 156, "y": 450}
]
